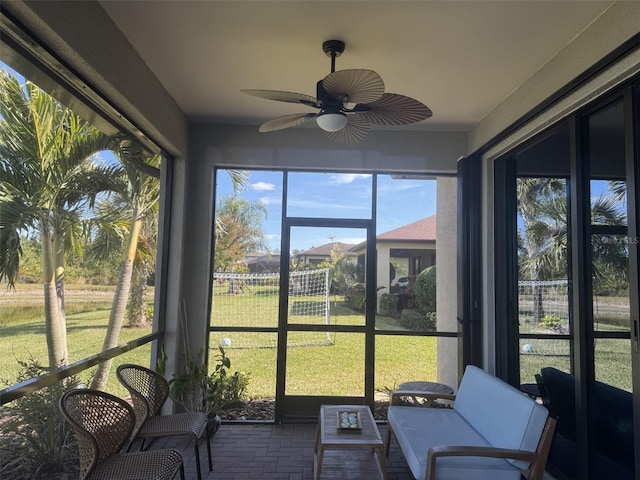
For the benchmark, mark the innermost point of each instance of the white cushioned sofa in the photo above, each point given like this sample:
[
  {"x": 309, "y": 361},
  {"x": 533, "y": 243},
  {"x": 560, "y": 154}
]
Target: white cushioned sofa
[{"x": 492, "y": 432}]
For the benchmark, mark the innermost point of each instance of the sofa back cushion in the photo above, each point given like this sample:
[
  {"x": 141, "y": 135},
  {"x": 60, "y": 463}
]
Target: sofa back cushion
[{"x": 502, "y": 414}]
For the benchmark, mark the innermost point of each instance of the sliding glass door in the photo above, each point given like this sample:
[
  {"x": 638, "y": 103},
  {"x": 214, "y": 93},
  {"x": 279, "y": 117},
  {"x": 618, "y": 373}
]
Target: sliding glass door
[{"x": 567, "y": 288}]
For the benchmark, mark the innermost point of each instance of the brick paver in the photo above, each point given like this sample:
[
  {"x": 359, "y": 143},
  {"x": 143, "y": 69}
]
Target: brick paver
[{"x": 243, "y": 451}]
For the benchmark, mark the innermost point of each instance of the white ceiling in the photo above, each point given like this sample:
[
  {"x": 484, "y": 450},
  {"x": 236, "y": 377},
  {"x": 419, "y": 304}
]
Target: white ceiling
[{"x": 460, "y": 58}]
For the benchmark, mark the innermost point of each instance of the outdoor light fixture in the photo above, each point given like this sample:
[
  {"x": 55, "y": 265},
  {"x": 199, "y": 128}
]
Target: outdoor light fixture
[{"x": 332, "y": 122}]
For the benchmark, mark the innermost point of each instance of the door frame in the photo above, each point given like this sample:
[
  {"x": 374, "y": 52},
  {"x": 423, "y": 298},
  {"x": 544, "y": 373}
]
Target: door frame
[{"x": 302, "y": 408}]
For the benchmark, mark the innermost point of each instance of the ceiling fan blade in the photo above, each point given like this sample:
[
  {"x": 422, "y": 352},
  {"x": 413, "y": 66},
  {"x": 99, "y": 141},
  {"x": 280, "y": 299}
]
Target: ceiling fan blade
[
  {"x": 393, "y": 109},
  {"x": 354, "y": 86},
  {"x": 286, "y": 121},
  {"x": 356, "y": 130},
  {"x": 279, "y": 96}
]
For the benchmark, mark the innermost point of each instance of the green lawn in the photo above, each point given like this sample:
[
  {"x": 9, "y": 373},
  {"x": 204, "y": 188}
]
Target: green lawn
[
  {"x": 328, "y": 366},
  {"x": 22, "y": 338},
  {"x": 613, "y": 356},
  {"x": 315, "y": 364}
]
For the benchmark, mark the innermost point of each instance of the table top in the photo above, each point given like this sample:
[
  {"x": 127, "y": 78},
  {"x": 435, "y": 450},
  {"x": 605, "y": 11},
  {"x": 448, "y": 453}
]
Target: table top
[
  {"x": 427, "y": 387},
  {"x": 331, "y": 436}
]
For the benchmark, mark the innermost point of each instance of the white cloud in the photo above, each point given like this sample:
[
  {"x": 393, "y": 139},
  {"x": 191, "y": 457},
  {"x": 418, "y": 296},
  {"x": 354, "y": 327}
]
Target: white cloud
[
  {"x": 271, "y": 200},
  {"x": 345, "y": 178},
  {"x": 325, "y": 206},
  {"x": 351, "y": 240},
  {"x": 263, "y": 186}
]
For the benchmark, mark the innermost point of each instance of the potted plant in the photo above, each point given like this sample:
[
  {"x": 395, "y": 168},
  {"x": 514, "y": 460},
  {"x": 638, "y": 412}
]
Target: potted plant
[{"x": 198, "y": 390}]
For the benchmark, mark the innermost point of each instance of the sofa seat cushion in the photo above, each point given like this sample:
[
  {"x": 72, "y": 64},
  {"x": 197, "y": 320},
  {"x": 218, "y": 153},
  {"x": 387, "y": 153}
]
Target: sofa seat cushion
[{"x": 418, "y": 429}]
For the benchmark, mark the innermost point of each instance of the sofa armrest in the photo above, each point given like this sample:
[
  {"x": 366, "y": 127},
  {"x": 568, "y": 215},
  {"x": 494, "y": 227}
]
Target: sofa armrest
[
  {"x": 427, "y": 398},
  {"x": 537, "y": 460},
  {"x": 473, "y": 451}
]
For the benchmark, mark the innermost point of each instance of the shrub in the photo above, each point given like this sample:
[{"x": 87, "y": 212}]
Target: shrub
[
  {"x": 355, "y": 297},
  {"x": 416, "y": 320},
  {"x": 198, "y": 390},
  {"x": 425, "y": 289},
  {"x": 551, "y": 322},
  {"x": 36, "y": 441},
  {"x": 389, "y": 305},
  {"x": 223, "y": 389}
]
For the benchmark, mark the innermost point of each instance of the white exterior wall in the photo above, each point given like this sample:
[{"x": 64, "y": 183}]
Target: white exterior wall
[
  {"x": 383, "y": 271},
  {"x": 447, "y": 279}
]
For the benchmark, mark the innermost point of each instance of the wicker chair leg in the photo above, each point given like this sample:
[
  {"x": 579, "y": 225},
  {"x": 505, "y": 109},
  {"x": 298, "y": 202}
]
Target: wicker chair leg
[
  {"x": 209, "y": 452},
  {"x": 181, "y": 471},
  {"x": 197, "y": 451}
]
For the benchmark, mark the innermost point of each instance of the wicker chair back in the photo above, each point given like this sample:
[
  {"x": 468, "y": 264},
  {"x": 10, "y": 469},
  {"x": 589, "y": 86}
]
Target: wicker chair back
[{"x": 102, "y": 422}]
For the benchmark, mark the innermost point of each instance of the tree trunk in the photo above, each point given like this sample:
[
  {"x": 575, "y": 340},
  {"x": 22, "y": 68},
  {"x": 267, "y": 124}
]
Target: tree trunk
[
  {"x": 58, "y": 256},
  {"x": 538, "y": 307},
  {"x": 55, "y": 331},
  {"x": 138, "y": 301},
  {"x": 119, "y": 307}
]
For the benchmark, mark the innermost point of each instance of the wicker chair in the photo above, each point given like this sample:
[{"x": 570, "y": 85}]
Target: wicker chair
[
  {"x": 103, "y": 424},
  {"x": 149, "y": 390}
]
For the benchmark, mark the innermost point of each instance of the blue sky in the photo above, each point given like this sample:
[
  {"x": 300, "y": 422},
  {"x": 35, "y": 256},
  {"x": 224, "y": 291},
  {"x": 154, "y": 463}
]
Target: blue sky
[
  {"x": 333, "y": 195},
  {"x": 327, "y": 195}
]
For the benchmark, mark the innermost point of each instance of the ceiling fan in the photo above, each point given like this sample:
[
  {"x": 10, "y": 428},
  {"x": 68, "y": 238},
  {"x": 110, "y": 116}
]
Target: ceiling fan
[{"x": 349, "y": 102}]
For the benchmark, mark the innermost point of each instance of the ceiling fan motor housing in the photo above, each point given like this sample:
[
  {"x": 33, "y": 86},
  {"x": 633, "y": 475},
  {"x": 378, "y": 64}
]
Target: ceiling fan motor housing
[
  {"x": 333, "y": 47},
  {"x": 329, "y": 104}
]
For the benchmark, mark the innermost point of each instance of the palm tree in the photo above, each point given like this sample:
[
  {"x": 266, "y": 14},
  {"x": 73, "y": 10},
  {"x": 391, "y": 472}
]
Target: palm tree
[
  {"x": 543, "y": 209},
  {"x": 238, "y": 230},
  {"x": 47, "y": 181},
  {"x": 534, "y": 195},
  {"x": 127, "y": 223},
  {"x": 143, "y": 267},
  {"x": 122, "y": 219}
]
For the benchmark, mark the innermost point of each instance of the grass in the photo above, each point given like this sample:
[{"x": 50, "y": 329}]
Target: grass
[
  {"x": 331, "y": 368},
  {"x": 613, "y": 356},
  {"x": 315, "y": 364},
  {"x": 23, "y": 337}
]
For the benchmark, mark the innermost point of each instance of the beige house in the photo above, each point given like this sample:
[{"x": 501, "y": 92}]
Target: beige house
[
  {"x": 412, "y": 247},
  {"x": 322, "y": 253}
]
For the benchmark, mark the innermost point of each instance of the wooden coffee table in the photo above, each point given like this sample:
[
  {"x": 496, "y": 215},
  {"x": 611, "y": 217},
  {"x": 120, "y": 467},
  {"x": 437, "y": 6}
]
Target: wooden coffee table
[{"x": 334, "y": 448}]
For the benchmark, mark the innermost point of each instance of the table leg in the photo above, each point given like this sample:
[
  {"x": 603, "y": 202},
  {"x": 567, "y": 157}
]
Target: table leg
[
  {"x": 382, "y": 462},
  {"x": 319, "y": 457}
]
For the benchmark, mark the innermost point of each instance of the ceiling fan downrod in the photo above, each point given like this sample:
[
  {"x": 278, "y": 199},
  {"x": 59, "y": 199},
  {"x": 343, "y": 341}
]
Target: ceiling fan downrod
[{"x": 333, "y": 49}]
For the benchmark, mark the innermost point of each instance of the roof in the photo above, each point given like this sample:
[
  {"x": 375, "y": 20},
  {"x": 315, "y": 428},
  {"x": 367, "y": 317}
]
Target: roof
[
  {"x": 264, "y": 258},
  {"x": 423, "y": 230},
  {"x": 326, "y": 249}
]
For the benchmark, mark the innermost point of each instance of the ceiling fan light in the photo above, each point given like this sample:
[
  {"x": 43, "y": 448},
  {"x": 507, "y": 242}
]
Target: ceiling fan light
[{"x": 332, "y": 122}]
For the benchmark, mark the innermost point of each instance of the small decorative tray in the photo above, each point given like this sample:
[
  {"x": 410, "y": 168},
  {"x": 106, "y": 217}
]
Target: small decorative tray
[{"x": 348, "y": 420}]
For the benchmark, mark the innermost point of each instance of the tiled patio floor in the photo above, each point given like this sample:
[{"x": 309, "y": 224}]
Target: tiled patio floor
[{"x": 267, "y": 451}]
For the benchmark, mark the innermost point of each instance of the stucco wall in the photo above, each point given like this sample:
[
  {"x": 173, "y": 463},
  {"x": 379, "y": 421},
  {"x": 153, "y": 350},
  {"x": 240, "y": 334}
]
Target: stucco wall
[
  {"x": 615, "y": 26},
  {"x": 307, "y": 148},
  {"x": 447, "y": 279}
]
